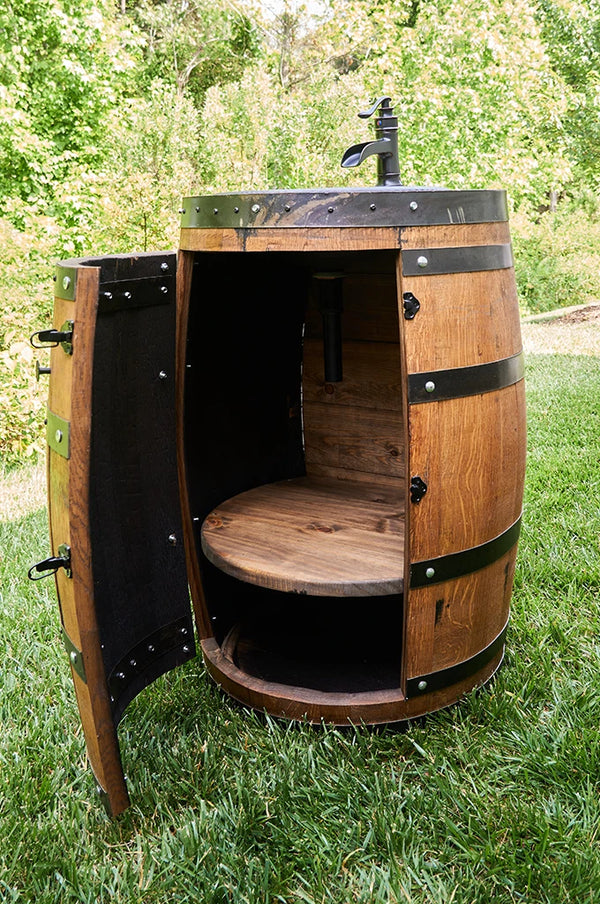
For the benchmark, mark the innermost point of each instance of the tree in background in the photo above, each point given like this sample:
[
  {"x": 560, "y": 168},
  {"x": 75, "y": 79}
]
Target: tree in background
[
  {"x": 487, "y": 93},
  {"x": 62, "y": 66},
  {"x": 194, "y": 45},
  {"x": 155, "y": 149},
  {"x": 571, "y": 32}
]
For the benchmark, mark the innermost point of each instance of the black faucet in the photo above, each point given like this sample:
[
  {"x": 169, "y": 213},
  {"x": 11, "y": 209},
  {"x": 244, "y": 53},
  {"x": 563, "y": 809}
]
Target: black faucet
[{"x": 385, "y": 144}]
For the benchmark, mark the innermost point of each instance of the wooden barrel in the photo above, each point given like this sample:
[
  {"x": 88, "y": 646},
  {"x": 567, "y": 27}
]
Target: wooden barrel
[
  {"x": 324, "y": 408},
  {"x": 362, "y": 568}
]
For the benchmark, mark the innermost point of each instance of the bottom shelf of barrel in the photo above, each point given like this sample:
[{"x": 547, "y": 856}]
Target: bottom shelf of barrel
[
  {"x": 329, "y": 649},
  {"x": 311, "y": 535}
]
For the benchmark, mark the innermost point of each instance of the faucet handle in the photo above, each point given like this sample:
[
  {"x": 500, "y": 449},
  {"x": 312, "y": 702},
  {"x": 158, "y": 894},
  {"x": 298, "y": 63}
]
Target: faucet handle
[
  {"x": 385, "y": 104},
  {"x": 385, "y": 144}
]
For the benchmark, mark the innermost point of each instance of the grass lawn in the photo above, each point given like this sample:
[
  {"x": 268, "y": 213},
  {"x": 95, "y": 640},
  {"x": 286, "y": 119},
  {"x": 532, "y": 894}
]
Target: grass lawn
[{"x": 496, "y": 800}]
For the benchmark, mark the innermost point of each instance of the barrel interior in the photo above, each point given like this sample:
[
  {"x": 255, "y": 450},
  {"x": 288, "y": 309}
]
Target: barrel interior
[{"x": 295, "y": 448}]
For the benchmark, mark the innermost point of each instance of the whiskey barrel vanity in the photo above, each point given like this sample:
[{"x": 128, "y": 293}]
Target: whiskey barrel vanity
[{"x": 313, "y": 415}]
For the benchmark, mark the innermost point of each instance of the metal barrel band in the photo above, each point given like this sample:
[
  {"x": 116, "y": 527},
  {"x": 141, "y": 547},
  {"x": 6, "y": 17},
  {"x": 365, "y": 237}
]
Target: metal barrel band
[
  {"x": 399, "y": 206},
  {"x": 465, "y": 259},
  {"x": 146, "y": 292},
  {"x": 436, "y": 681},
  {"x": 457, "y": 564},
  {"x": 177, "y": 638},
  {"x": 459, "y": 382},
  {"x": 75, "y": 656}
]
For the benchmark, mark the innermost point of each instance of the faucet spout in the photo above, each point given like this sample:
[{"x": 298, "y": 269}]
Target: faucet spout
[
  {"x": 385, "y": 145},
  {"x": 355, "y": 155}
]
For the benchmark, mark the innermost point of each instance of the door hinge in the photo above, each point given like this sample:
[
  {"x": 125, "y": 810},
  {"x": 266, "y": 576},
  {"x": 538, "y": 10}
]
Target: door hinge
[{"x": 51, "y": 565}]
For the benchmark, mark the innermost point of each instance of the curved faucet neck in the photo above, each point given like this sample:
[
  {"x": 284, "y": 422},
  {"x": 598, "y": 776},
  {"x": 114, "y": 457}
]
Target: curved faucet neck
[{"x": 385, "y": 144}]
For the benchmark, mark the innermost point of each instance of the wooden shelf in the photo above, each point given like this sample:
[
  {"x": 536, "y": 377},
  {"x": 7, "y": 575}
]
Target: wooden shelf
[
  {"x": 324, "y": 537},
  {"x": 343, "y": 659}
]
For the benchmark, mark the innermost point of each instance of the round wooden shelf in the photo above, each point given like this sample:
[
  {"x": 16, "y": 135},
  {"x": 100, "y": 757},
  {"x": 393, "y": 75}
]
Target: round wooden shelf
[{"x": 312, "y": 535}]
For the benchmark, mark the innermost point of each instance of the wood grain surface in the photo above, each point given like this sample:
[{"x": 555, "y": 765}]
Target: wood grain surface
[
  {"x": 185, "y": 265},
  {"x": 355, "y": 425},
  {"x": 290, "y": 239},
  {"x": 357, "y": 439},
  {"x": 471, "y": 454},
  {"x": 324, "y": 537},
  {"x": 372, "y": 377},
  {"x": 370, "y": 305},
  {"x": 68, "y": 486},
  {"x": 360, "y": 434},
  {"x": 469, "y": 451},
  {"x": 61, "y": 364},
  {"x": 453, "y": 235},
  {"x": 465, "y": 318},
  {"x": 374, "y": 708},
  {"x": 451, "y": 621}
]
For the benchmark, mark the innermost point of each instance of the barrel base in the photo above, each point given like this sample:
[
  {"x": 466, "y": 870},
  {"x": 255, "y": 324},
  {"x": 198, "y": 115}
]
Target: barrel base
[{"x": 374, "y": 707}]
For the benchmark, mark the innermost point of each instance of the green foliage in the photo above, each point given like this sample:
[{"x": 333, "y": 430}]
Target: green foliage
[
  {"x": 557, "y": 259},
  {"x": 25, "y": 281},
  {"x": 571, "y": 30},
  {"x": 112, "y": 112},
  {"x": 132, "y": 202},
  {"x": 254, "y": 135},
  {"x": 59, "y": 65},
  {"x": 478, "y": 101},
  {"x": 194, "y": 45}
]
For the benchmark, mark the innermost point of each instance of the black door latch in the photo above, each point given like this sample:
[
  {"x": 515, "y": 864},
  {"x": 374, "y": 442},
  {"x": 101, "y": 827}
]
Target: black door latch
[
  {"x": 411, "y": 305},
  {"x": 418, "y": 488},
  {"x": 51, "y": 565},
  {"x": 52, "y": 338}
]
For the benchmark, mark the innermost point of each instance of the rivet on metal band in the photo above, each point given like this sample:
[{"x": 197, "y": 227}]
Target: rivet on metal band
[
  {"x": 458, "y": 382},
  {"x": 75, "y": 656},
  {"x": 136, "y": 293},
  {"x": 436, "y": 681},
  {"x": 143, "y": 658},
  {"x": 457, "y": 564},
  {"x": 58, "y": 434},
  {"x": 466, "y": 259},
  {"x": 335, "y": 207}
]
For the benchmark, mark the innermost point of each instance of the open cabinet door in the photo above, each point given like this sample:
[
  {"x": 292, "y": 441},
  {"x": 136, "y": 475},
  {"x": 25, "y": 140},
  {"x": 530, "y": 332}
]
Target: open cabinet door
[{"x": 115, "y": 518}]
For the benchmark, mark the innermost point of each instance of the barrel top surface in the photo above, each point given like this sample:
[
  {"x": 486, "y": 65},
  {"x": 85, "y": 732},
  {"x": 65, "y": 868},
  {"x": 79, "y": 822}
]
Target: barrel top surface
[{"x": 397, "y": 206}]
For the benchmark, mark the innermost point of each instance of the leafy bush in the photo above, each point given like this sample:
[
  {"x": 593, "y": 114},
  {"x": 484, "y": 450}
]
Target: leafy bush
[
  {"x": 153, "y": 160},
  {"x": 61, "y": 65},
  {"x": 255, "y": 136},
  {"x": 557, "y": 259},
  {"x": 131, "y": 202},
  {"x": 25, "y": 281}
]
